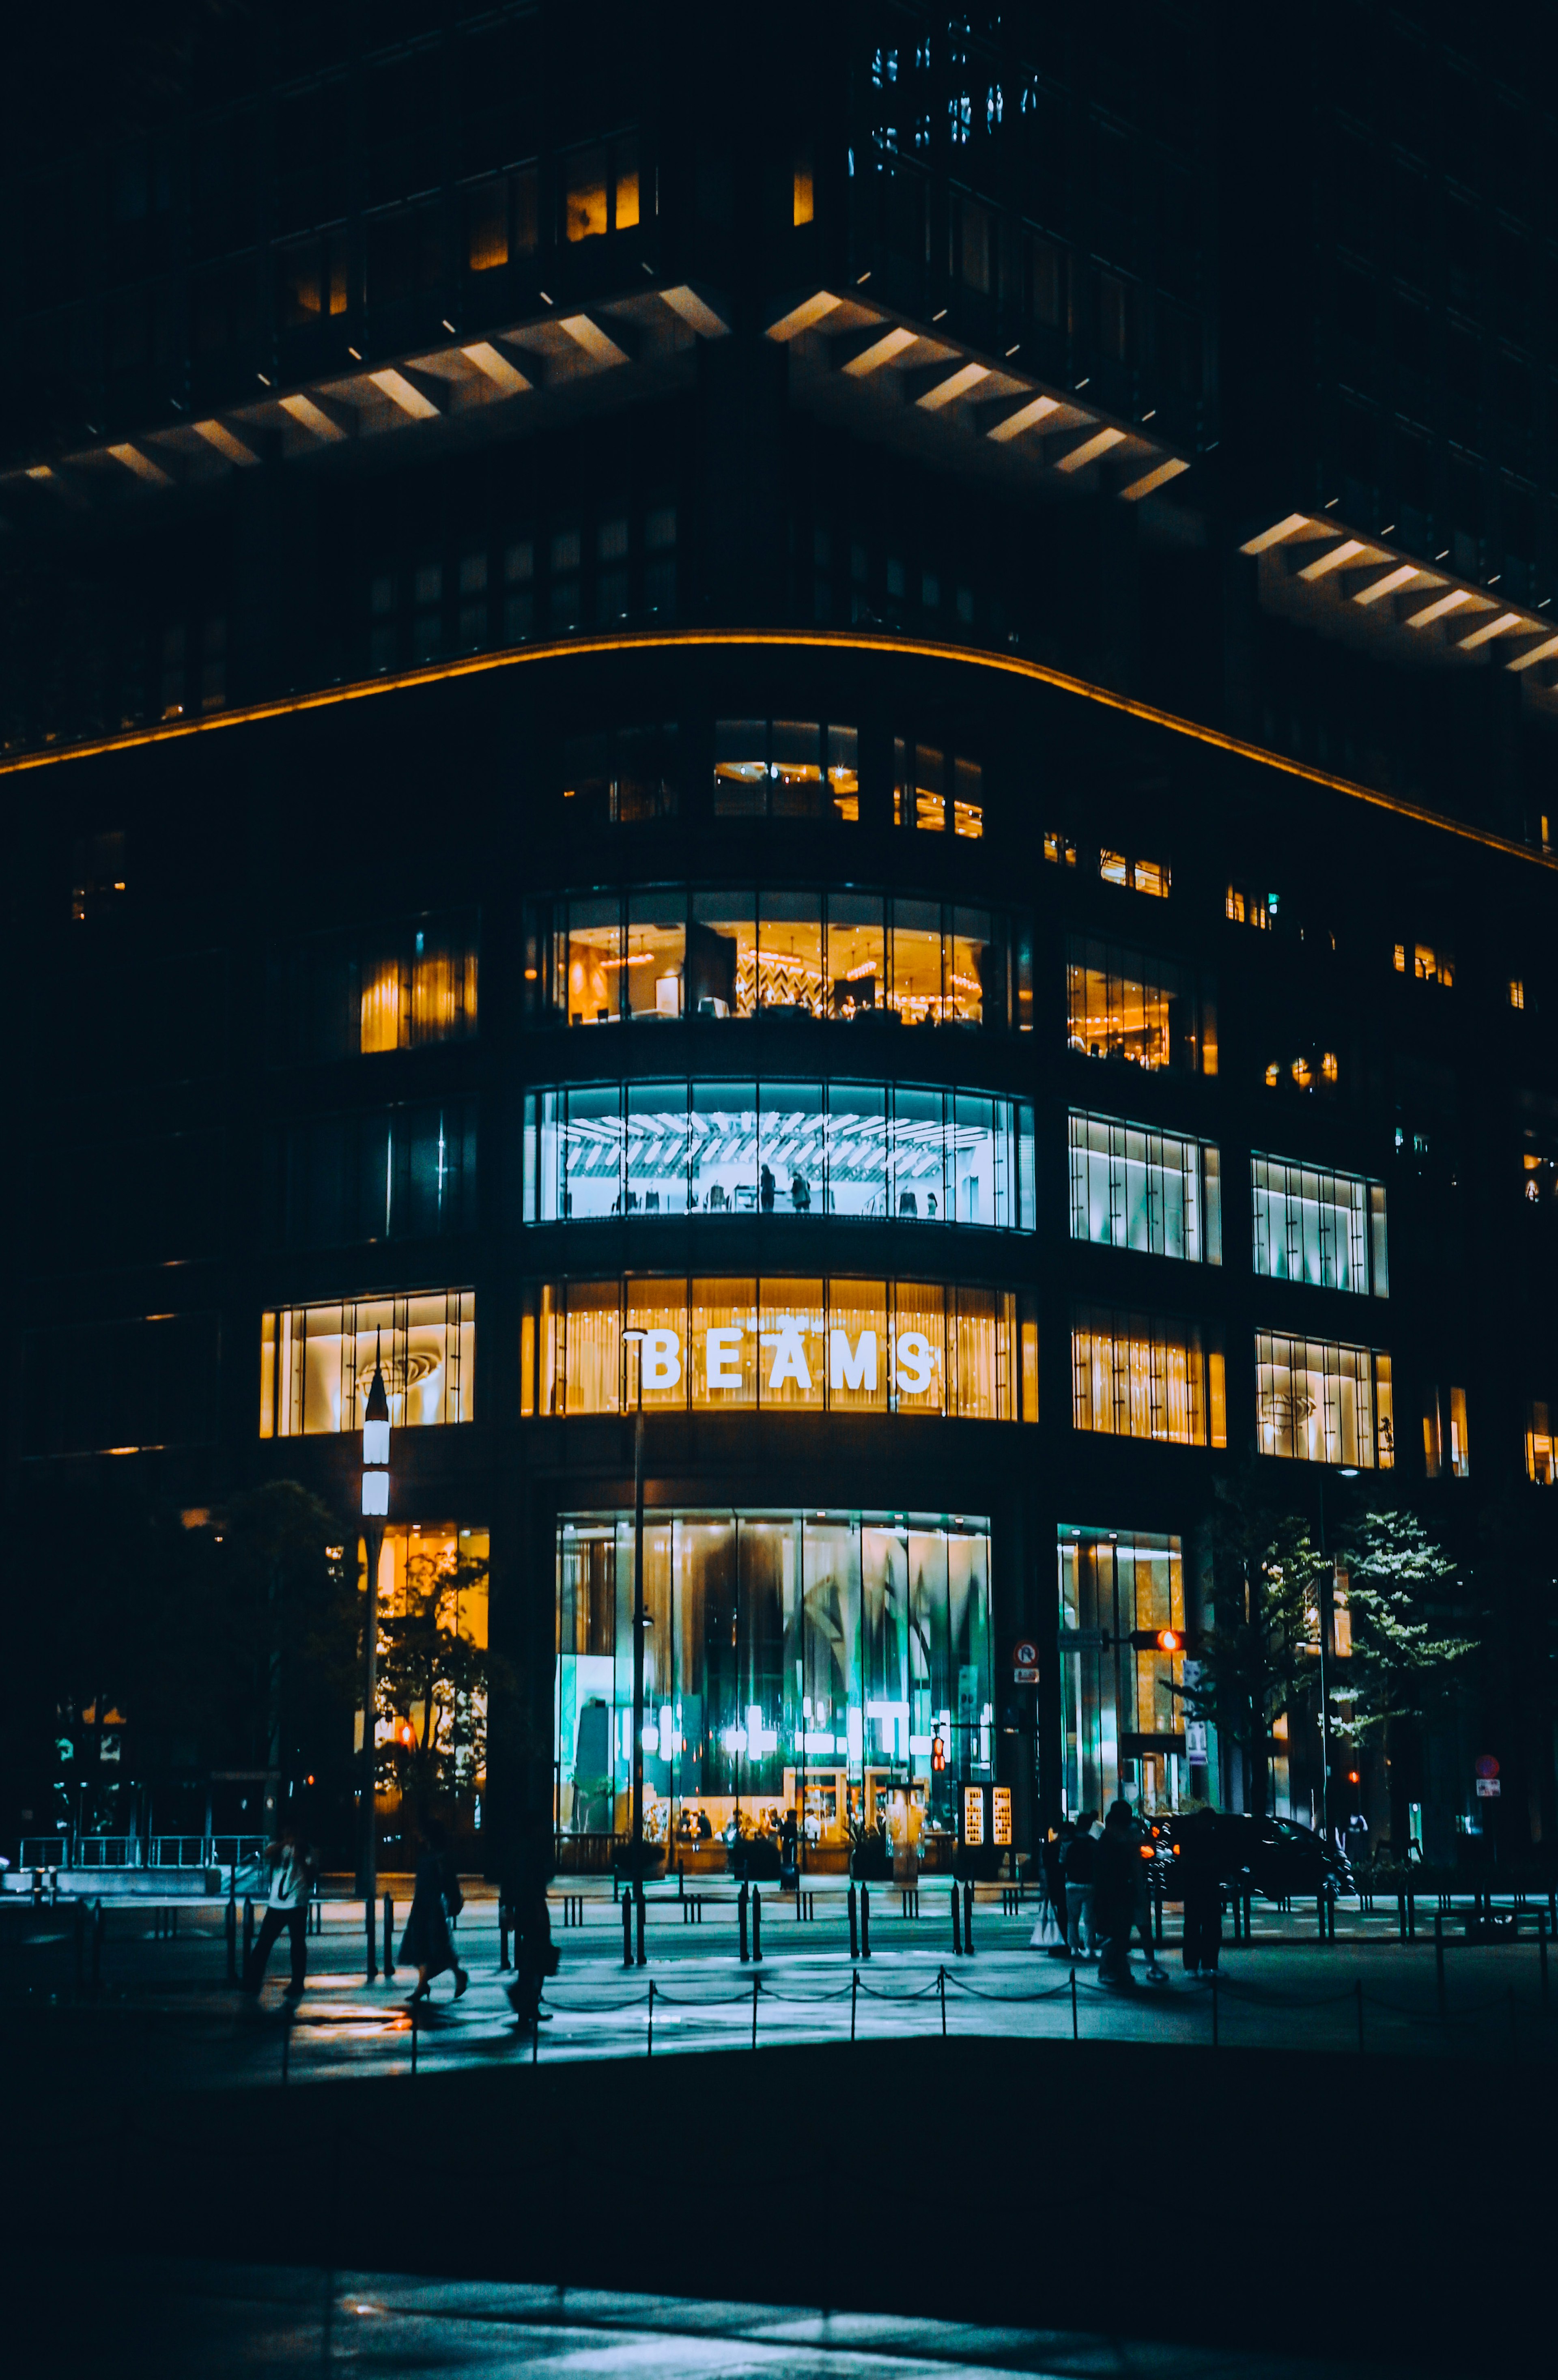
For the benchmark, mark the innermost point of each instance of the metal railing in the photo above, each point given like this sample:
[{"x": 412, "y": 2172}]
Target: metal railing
[{"x": 138, "y": 1851}]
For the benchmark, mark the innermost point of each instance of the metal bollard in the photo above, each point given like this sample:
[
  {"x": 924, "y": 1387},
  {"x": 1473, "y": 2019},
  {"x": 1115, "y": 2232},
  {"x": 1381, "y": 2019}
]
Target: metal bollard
[
  {"x": 1401, "y": 1914},
  {"x": 638, "y": 1915},
  {"x": 626, "y": 1929},
  {"x": 741, "y": 1918},
  {"x": 1439, "y": 1960},
  {"x": 79, "y": 1945},
  {"x": 854, "y": 1922},
  {"x": 757, "y": 1926},
  {"x": 956, "y": 1924},
  {"x": 371, "y": 1935},
  {"x": 248, "y": 1931},
  {"x": 231, "y": 1930},
  {"x": 1319, "y": 1912},
  {"x": 97, "y": 1946},
  {"x": 968, "y": 1917},
  {"x": 865, "y": 1921},
  {"x": 389, "y": 1939},
  {"x": 37, "y": 1887},
  {"x": 503, "y": 1936},
  {"x": 1541, "y": 1951}
]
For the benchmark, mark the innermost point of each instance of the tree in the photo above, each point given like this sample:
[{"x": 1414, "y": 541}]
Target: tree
[
  {"x": 433, "y": 1683},
  {"x": 1405, "y": 1659},
  {"x": 1255, "y": 1659}
]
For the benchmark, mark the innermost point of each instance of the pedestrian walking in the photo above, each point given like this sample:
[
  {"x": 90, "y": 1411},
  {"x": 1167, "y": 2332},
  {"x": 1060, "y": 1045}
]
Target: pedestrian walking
[
  {"x": 535, "y": 1955},
  {"x": 1077, "y": 1865},
  {"x": 427, "y": 1943},
  {"x": 1204, "y": 1892},
  {"x": 294, "y": 1864},
  {"x": 1115, "y": 1874}
]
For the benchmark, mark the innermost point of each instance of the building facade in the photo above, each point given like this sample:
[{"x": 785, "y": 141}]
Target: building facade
[{"x": 663, "y": 798}]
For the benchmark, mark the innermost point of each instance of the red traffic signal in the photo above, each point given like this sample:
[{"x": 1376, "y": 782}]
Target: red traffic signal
[
  {"x": 1170, "y": 1641},
  {"x": 938, "y": 1754}
]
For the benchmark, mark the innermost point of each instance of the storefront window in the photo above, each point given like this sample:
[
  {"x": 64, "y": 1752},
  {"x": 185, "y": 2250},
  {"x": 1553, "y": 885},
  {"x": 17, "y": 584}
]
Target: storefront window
[
  {"x": 1320, "y": 1403},
  {"x": 781, "y": 1343},
  {"x": 1150, "y": 1191},
  {"x": 1142, "y": 1376},
  {"x": 1131, "y": 1005},
  {"x": 320, "y": 1361},
  {"x": 803, "y": 1664},
  {"x": 779, "y": 1148},
  {"x": 1123, "y": 1722}
]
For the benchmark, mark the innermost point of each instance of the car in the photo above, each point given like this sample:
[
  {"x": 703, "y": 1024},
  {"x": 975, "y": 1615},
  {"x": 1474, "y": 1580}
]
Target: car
[{"x": 1274, "y": 1856}]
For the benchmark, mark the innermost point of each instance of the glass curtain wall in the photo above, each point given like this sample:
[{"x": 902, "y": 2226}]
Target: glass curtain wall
[
  {"x": 1143, "y": 1376},
  {"x": 1123, "y": 1725},
  {"x": 804, "y": 1664},
  {"x": 1134, "y": 1007},
  {"x": 1320, "y": 1403},
  {"x": 317, "y": 1362},
  {"x": 1327, "y": 1229}
]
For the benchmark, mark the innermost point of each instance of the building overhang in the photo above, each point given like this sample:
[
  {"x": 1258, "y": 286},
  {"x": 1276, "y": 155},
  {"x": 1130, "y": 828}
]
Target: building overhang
[
  {"x": 1364, "y": 592},
  {"x": 857, "y": 363}
]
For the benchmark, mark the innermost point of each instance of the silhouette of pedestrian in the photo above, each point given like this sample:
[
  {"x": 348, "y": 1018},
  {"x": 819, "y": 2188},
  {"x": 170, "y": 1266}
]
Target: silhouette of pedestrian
[
  {"x": 428, "y": 1944},
  {"x": 293, "y": 1865},
  {"x": 535, "y": 1957}
]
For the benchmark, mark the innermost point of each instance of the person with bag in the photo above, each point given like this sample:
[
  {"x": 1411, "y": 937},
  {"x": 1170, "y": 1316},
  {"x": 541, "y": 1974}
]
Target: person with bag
[
  {"x": 1078, "y": 1863},
  {"x": 1114, "y": 1878},
  {"x": 293, "y": 1866},
  {"x": 427, "y": 1943},
  {"x": 535, "y": 1954},
  {"x": 1050, "y": 1932}
]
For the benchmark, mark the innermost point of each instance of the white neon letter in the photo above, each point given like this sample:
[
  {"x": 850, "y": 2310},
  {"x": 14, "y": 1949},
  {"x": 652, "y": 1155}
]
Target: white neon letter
[
  {"x": 789, "y": 1358},
  {"x": 916, "y": 1360},
  {"x": 725, "y": 1357},
  {"x": 852, "y": 1371},
  {"x": 660, "y": 1354}
]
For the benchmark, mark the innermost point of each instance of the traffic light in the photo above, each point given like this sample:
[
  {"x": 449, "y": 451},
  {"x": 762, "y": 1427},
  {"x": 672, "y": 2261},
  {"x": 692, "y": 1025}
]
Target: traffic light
[
  {"x": 938, "y": 1754},
  {"x": 1170, "y": 1641}
]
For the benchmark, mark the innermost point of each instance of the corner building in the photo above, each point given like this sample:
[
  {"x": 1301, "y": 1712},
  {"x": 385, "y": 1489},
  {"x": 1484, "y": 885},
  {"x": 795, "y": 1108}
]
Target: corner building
[{"x": 670, "y": 814}]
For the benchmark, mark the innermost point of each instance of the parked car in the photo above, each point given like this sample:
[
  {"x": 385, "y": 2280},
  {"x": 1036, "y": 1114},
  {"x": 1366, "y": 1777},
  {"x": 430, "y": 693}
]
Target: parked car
[{"x": 1274, "y": 1856}]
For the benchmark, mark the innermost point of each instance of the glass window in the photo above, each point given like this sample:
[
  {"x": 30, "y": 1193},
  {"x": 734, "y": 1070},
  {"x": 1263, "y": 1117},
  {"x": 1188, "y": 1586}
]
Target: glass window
[
  {"x": 858, "y": 1346},
  {"x": 656, "y": 953},
  {"x": 657, "y": 1362},
  {"x": 325, "y": 1355},
  {"x": 624, "y": 159},
  {"x": 982, "y": 1333},
  {"x": 584, "y": 194},
  {"x": 723, "y": 1148},
  {"x": 795, "y": 771},
  {"x": 919, "y": 1155},
  {"x": 856, "y": 1148},
  {"x": 1320, "y": 1403},
  {"x": 1540, "y": 1463},
  {"x": 1123, "y": 1724},
  {"x": 1126, "y": 1004},
  {"x": 916, "y": 987},
  {"x": 589, "y": 957},
  {"x": 1138, "y": 1375},
  {"x": 794, "y": 1345},
  {"x": 980, "y": 1161},
  {"x": 740, "y": 767},
  {"x": 725, "y": 1343},
  {"x": 1153, "y": 1191},
  {"x": 657, "y": 1148},
  {"x": 967, "y": 798},
  {"x": 592, "y": 1356},
  {"x": 792, "y": 1151},
  {"x": 856, "y": 971},
  {"x": 722, "y": 955},
  {"x": 919, "y": 1353},
  {"x": 591, "y": 1144},
  {"x": 1316, "y": 1227},
  {"x": 928, "y": 789},
  {"x": 976, "y": 978},
  {"x": 790, "y": 952},
  {"x": 843, "y": 772}
]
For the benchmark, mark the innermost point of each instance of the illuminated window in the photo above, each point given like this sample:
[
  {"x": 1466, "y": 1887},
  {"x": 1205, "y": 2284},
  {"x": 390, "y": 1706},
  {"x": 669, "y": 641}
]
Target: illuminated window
[
  {"x": 1540, "y": 1462},
  {"x": 1516, "y": 992},
  {"x": 1427, "y": 964},
  {"x": 98, "y": 875},
  {"x": 318, "y": 1363},
  {"x": 1123, "y": 1725},
  {"x": 1137, "y": 875},
  {"x": 1142, "y": 1376},
  {"x": 785, "y": 768},
  {"x": 1311, "y": 1071},
  {"x": 784, "y": 1344},
  {"x": 1257, "y": 909},
  {"x": 1133, "y": 1188},
  {"x": 801, "y": 200},
  {"x": 486, "y": 217},
  {"x": 1326, "y": 1229},
  {"x": 863, "y": 1149},
  {"x": 1127, "y": 1005},
  {"x": 394, "y": 988},
  {"x": 923, "y": 775},
  {"x": 625, "y": 175},
  {"x": 1059, "y": 850},
  {"x": 1320, "y": 1403},
  {"x": 584, "y": 194},
  {"x": 967, "y": 798}
]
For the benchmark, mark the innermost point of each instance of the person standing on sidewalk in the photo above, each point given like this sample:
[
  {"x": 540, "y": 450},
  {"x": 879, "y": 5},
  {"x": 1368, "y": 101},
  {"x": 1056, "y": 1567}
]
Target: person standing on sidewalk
[
  {"x": 1078, "y": 1863},
  {"x": 427, "y": 1943},
  {"x": 535, "y": 1955},
  {"x": 293, "y": 1866},
  {"x": 1203, "y": 1893},
  {"x": 1114, "y": 1895}
]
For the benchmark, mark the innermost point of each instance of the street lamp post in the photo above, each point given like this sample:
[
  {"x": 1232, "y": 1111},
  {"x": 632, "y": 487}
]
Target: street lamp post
[
  {"x": 375, "y": 1510},
  {"x": 635, "y": 1338}
]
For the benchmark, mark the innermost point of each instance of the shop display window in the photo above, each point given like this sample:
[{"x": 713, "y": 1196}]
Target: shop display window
[
  {"x": 779, "y": 1342},
  {"x": 808, "y": 1147},
  {"x": 1150, "y": 1191},
  {"x": 1320, "y": 1403},
  {"x": 795, "y": 1665},
  {"x": 318, "y": 1363},
  {"x": 1327, "y": 1229},
  {"x": 1142, "y": 1376}
]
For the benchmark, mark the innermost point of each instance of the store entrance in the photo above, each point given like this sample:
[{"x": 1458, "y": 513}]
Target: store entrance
[{"x": 798, "y": 1671}]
